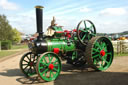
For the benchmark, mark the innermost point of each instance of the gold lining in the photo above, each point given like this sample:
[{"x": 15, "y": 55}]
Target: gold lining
[{"x": 40, "y": 7}]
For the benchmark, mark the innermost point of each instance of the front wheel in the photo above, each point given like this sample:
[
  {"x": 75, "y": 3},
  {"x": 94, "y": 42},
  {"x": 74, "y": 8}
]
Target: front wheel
[
  {"x": 28, "y": 64},
  {"x": 48, "y": 66}
]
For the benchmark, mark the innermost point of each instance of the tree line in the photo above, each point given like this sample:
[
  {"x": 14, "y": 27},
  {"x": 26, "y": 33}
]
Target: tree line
[{"x": 7, "y": 32}]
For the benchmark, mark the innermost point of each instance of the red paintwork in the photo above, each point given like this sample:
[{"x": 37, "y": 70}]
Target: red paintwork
[
  {"x": 59, "y": 32},
  {"x": 102, "y": 53},
  {"x": 74, "y": 30},
  {"x": 68, "y": 34},
  {"x": 56, "y": 50},
  {"x": 51, "y": 66},
  {"x": 31, "y": 63},
  {"x": 32, "y": 39}
]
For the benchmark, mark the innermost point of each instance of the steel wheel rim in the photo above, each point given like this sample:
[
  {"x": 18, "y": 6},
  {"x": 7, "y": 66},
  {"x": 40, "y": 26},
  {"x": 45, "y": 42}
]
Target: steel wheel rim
[
  {"x": 44, "y": 63},
  {"x": 101, "y": 45},
  {"x": 28, "y": 64},
  {"x": 87, "y": 33}
]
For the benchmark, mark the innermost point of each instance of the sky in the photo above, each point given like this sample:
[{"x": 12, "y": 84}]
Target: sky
[{"x": 108, "y": 16}]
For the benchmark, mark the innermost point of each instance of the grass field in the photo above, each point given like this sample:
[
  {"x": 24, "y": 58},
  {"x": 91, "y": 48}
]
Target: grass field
[
  {"x": 6, "y": 53},
  {"x": 14, "y": 49},
  {"x": 19, "y": 47},
  {"x": 119, "y": 55}
]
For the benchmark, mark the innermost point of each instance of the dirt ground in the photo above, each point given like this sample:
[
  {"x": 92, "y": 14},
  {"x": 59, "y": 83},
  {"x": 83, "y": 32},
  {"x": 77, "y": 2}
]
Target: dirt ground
[{"x": 117, "y": 74}]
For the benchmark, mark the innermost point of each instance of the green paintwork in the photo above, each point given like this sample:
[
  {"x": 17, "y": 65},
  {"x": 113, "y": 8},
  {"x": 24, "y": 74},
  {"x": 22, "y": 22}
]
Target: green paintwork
[
  {"x": 43, "y": 63},
  {"x": 58, "y": 29},
  {"x": 102, "y": 62},
  {"x": 74, "y": 55},
  {"x": 61, "y": 44},
  {"x": 75, "y": 38},
  {"x": 85, "y": 33}
]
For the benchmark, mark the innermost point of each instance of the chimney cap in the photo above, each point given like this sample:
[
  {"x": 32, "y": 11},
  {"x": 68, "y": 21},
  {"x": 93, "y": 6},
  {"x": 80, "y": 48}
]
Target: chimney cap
[{"x": 40, "y": 7}]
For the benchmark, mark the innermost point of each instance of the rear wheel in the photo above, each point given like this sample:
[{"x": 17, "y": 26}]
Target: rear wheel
[
  {"x": 48, "y": 66},
  {"x": 99, "y": 53}
]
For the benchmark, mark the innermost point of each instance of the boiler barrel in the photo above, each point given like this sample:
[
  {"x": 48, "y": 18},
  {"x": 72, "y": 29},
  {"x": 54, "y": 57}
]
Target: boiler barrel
[{"x": 61, "y": 44}]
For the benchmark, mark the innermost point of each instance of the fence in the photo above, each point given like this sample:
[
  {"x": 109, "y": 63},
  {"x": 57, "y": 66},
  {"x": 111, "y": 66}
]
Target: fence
[{"x": 120, "y": 46}]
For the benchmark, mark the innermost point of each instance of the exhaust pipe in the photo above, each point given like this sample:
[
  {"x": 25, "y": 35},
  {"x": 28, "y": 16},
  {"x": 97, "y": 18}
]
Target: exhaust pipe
[{"x": 39, "y": 21}]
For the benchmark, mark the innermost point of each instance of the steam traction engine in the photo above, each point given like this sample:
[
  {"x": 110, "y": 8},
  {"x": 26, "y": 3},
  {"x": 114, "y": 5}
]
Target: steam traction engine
[{"x": 79, "y": 47}]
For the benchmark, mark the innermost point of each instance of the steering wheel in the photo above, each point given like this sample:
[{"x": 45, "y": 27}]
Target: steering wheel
[{"x": 85, "y": 31}]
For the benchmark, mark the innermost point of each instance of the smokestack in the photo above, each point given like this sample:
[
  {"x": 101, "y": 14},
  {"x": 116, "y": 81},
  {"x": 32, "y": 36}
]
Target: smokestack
[{"x": 39, "y": 21}]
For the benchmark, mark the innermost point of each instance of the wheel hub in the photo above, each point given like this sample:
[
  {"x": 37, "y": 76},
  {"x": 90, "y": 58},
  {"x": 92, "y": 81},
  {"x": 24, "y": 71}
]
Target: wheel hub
[
  {"x": 31, "y": 64},
  {"x": 51, "y": 66},
  {"x": 102, "y": 53}
]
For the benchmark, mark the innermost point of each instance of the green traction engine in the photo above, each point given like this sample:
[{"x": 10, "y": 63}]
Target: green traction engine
[{"x": 78, "y": 47}]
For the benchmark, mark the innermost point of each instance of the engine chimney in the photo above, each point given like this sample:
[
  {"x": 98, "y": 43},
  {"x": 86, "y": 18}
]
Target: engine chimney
[{"x": 39, "y": 22}]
